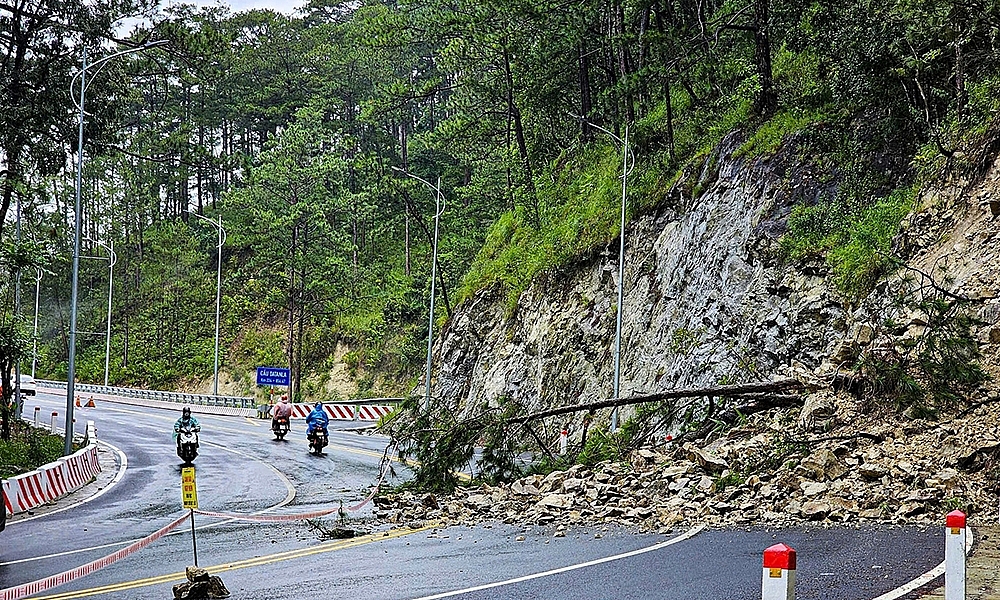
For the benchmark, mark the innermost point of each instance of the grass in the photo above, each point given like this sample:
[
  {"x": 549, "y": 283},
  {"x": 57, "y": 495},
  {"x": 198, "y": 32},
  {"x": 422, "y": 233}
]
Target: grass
[
  {"x": 855, "y": 240},
  {"x": 28, "y": 449}
]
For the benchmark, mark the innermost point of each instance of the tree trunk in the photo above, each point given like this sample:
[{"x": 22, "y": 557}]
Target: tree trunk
[
  {"x": 767, "y": 99},
  {"x": 586, "y": 99},
  {"x": 522, "y": 146}
]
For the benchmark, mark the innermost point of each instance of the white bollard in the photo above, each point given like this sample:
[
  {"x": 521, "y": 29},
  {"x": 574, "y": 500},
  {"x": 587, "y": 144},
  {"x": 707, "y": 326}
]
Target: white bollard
[
  {"x": 52, "y": 422},
  {"x": 779, "y": 573},
  {"x": 37, "y": 409},
  {"x": 563, "y": 441},
  {"x": 954, "y": 556}
]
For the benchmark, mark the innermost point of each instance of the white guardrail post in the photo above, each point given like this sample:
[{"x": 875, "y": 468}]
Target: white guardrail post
[
  {"x": 954, "y": 556},
  {"x": 779, "y": 573},
  {"x": 52, "y": 422},
  {"x": 37, "y": 410}
]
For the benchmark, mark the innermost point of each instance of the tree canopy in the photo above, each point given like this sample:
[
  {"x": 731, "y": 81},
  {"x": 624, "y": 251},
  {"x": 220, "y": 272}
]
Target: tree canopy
[{"x": 287, "y": 127}]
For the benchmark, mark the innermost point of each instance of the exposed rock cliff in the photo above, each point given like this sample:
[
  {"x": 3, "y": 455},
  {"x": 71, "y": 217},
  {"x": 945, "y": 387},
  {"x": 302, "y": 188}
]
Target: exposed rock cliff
[{"x": 706, "y": 301}]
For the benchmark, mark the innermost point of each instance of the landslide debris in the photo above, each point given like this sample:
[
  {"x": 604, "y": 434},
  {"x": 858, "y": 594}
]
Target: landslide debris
[{"x": 782, "y": 467}]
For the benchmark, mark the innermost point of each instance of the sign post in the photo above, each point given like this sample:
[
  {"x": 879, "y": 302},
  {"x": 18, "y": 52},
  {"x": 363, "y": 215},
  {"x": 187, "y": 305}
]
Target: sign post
[{"x": 189, "y": 494}]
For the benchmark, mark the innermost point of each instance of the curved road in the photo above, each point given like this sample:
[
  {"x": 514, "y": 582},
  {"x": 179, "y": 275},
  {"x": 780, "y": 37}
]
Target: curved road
[{"x": 242, "y": 470}]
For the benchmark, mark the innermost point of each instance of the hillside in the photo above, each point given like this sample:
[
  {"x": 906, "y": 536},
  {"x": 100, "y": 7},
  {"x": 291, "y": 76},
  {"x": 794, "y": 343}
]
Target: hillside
[{"x": 341, "y": 170}]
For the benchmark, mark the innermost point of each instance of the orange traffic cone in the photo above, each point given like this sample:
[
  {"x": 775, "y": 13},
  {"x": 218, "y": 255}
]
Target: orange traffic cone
[
  {"x": 77, "y": 403},
  {"x": 90, "y": 403}
]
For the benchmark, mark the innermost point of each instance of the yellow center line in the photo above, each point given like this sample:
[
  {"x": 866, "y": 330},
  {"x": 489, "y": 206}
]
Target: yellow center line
[
  {"x": 252, "y": 421},
  {"x": 242, "y": 564}
]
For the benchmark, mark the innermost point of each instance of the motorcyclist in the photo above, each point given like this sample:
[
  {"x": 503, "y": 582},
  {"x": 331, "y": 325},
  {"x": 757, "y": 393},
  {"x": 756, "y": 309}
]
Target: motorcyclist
[
  {"x": 186, "y": 422},
  {"x": 317, "y": 419},
  {"x": 281, "y": 409}
]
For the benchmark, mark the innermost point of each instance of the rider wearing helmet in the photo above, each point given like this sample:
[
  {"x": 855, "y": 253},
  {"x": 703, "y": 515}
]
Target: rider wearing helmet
[
  {"x": 317, "y": 419},
  {"x": 186, "y": 421}
]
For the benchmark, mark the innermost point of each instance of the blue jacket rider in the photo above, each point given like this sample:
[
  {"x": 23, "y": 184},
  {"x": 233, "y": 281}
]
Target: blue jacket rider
[
  {"x": 317, "y": 419},
  {"x": 186, "y": 421}
]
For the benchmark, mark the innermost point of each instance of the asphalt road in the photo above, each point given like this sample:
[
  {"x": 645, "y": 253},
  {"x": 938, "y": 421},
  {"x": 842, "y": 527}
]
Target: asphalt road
[{"x": 242, "y": 470}]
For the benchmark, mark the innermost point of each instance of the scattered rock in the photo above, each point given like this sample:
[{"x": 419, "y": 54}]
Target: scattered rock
[{"x": 200, "y": 586}]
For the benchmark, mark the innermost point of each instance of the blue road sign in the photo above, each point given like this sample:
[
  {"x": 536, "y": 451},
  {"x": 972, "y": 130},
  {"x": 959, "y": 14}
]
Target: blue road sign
[{"x": 273, "y": 376}]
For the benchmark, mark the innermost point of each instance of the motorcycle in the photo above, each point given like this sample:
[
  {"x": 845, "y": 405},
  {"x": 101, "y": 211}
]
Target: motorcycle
[
  {"x": 280, "y": 426},
  {"x": 318, "y": 439},
  {"x": 187, "y": 444}
]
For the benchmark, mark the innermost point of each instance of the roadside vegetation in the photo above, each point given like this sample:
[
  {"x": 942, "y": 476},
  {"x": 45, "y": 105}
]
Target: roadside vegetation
[
  {"x": 27, "y": 449},
  {"x": 288, "y": 128}
]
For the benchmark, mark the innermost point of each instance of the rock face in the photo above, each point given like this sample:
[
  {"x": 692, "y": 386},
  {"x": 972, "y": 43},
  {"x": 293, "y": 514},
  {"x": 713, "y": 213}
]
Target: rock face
[
  {"x": 200, "y": 586},
  {"x": 702, "y": 302}
]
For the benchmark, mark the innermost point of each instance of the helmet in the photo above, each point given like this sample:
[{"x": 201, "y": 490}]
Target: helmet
[
  {"x": 284, "y": 397},
  {"x": 318, "y": 405},
  {"x": 186, "y": 412}
]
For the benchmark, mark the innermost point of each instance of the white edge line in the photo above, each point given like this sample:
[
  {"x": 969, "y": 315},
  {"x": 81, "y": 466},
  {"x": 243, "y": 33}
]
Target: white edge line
[
  {"x": 289, "y": 496},
  {"x": 927, "y": 577},
  {"x": 123, "y": 465},
  {"x": 687, "y": 535}
]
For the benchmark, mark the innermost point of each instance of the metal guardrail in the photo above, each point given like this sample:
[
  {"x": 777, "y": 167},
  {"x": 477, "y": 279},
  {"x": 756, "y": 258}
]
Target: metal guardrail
[{"x": 178, "y": 397}]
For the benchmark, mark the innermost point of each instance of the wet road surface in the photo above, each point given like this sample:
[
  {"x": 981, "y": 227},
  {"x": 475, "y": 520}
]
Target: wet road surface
[{"x": 241, "y": 469}]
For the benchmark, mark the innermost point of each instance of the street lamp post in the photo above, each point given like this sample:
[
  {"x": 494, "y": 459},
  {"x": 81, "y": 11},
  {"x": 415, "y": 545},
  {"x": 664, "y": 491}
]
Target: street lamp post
[
  {"x": 626, "y": 169},
  {"x": 71, "y": 367},
  {"x": 112, "y": 259},
  {"x": 34, "y": 337},
  {"x": 218, "y": 293},
  {"x": 438, "y": 209}
]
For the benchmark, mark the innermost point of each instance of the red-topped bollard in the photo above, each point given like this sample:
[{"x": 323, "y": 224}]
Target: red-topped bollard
[
  {"x": 954, "y": 556},
  {"x": 779, "y": 573},
  {"x": 563, "y": 441}
]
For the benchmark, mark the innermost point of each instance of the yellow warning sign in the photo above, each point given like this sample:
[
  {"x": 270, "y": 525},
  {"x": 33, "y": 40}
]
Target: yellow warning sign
[
  {"x": 189, "y": 491},
  {"x": 774, "y": 572}
]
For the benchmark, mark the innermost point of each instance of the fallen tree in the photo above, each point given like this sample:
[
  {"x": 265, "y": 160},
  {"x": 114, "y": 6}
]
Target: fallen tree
[{"x": 759, "y": 391}]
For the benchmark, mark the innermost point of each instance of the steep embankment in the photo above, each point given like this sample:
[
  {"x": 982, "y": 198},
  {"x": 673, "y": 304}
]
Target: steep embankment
[
  {"x": 705, "y": 301},
  {"x": 708, "y": 301}
]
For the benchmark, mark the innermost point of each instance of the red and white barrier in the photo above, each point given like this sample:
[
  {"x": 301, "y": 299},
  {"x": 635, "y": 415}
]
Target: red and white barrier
[
  {"x": 954, "y": 556},
  {"x": 344, "y": 412},
  {"x": 36, "y": 587},
  {"x": 779, "y": 573},
  {"x": 54, "y": 480}
]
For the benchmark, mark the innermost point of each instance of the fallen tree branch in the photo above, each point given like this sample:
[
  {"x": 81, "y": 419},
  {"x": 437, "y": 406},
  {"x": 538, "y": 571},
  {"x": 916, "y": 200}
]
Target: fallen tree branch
[
  {"x": 742, "y": 389},
  {"x": 878, "y": 439},
  {"x": 732, "y": 414}
]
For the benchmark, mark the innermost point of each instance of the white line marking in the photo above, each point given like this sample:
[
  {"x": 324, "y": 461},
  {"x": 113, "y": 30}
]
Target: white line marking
[
  {"x": 289, "y": 496},
  {"x": 687, "y": 535},
  {"x": 926, "y": 578}
]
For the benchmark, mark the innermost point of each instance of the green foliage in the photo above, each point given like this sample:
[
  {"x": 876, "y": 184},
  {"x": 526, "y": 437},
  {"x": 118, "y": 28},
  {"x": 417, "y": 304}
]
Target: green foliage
[
  {"x": 769, "y": 137},
  {"x": 442, "y": 444},
  {"x": 855, "y": 239},
  {"x": 731, "y": 479},
  {"x": 936, "y": 367},
  {"x": 27, "y": 449}
]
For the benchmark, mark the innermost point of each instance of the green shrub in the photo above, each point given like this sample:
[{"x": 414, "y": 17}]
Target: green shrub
[
  {"x": 855, "y": 241},
  {"x": 28, "y": 449}
]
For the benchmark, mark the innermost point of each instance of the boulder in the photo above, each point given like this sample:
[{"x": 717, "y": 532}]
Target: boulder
[
  {"x": 824, "y": 465},
  {"x": 200, "y": 586},
  {"x": 709, "y": 462}
]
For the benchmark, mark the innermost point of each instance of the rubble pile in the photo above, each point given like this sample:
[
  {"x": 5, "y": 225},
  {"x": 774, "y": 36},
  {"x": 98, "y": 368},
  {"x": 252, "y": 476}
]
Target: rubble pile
[{"x": 831, "y": 461}]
